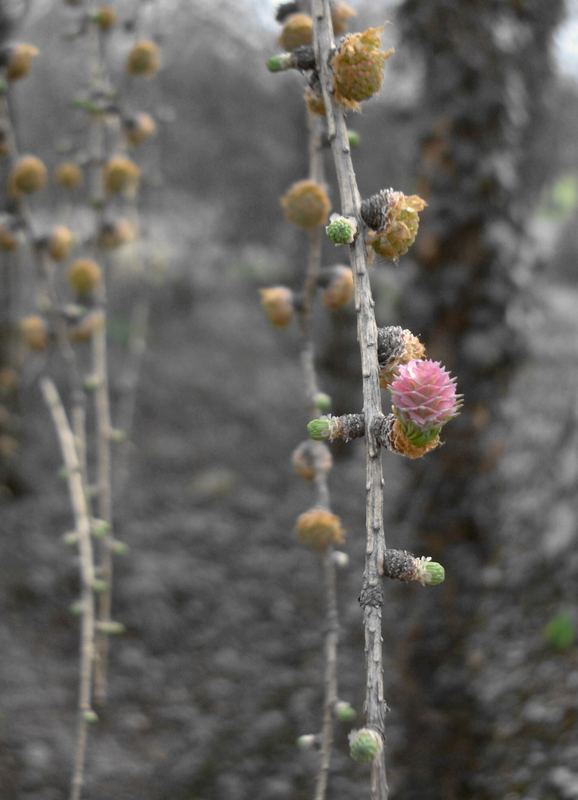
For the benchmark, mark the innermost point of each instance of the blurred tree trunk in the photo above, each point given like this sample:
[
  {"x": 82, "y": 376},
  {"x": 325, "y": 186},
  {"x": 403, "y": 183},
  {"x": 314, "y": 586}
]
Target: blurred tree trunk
[
  {"x": 11, "y": 483},
  {"x": 485, "y": 80}
]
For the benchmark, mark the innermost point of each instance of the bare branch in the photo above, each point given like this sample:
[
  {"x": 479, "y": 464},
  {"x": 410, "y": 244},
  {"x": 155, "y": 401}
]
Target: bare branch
[{"x": 371, "y": 595}]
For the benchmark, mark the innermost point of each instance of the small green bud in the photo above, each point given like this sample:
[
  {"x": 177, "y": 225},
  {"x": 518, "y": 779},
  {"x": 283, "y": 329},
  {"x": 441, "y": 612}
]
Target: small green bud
[
  {"x": 76, "y": 608},
  {"x": 70, "y": 538},
  {"x": 118, "y": 548},
  {"x": 341, "y": 230},
  {"x": 322, "y": 402},
  {"x": 277, "y": 63},
  {"x": 344, "y": 711},
  {"x": 90, "y": 716},
  {"x": 117, "y": 436},
  {"x": 307, "y": 742},
  {"x": 560, "y": 631},
  {"x": 364, "y": 745},
  {"x": 91, "y": 382},
  {"x": 433, "y": 573},
  {"x": 340, "y": 559},
  {"x": 354, "y": 138},
  {"x": 418, "y": 437},
  {"x": 99, "y": 586},
  {"x": 100, "y": 528},
  {"x": 87, "y": 105},
  {"x": 110, "y": 627},
  {"x": 319, "y": 429}
]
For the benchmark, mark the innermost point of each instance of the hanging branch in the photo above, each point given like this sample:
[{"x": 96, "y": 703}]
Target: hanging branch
[
  {"x": 316, "y": 173},
  {"x": 371, "y": 597},
  {"x": 82, "y": 532}
]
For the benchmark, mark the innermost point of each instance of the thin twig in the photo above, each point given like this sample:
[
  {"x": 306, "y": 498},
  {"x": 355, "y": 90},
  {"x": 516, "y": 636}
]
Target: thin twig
[
  {"x": 81, "y": 513},
  {"x": 305, "y": 317},
  {"x": 371, "y": 594},
  {"x": 97, "y": 152}
]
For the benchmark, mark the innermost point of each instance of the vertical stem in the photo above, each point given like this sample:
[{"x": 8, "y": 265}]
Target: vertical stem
[
  {"x": 97, "y": 152},
  {"x": 330, "y": 675},
  {"x": 104, "y": 503},
  {"x": 371, "y": 594},
  {"x": 316, "y": 173},
  {"x": 82, "y": 526}
]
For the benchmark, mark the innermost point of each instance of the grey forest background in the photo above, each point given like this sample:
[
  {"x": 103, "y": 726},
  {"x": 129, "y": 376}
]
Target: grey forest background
[{"x": 220, "y": 668}]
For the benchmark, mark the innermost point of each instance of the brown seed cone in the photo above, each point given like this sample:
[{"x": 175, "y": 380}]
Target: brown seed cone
[
  {"x": 84, "y": 275},
  {"x": 398, "y": 442},
  {"x": 319, "y": 528},
  {"x": 68, "y": 174},
  {"x": 9, "y": 381},
  {"x": 120, "y": 174},
  {"x": 59, "y": 243},
  {"x": 86, "y": 327},
  {"x": 34, "y": 332},
  {"x": 20, "y": 61},
  {"x": 400, "y": 565},
  {"x": 8, "y": 239},
  {"x": 278, "y": 303},
  {"x": 139, "y": 128},
  {"x": 306, "y": 204},
  {"x": 105, "y": 18},
  {"x": 401, "y": 226},
  {"x": 144, "y": 59},
  {"x": 314, "y": 102},
  {"x": 116, "y": 233},
  {"x": 396, "y": 346},
  {"x": 297, "y": 30},
  {"x": 311, "y": 456},
  {"x": 28, "y": 175},
  {"x": 358, "y": 67},
  {"x": 341, "y": 13},
  {"x": 339, "y": 291}
]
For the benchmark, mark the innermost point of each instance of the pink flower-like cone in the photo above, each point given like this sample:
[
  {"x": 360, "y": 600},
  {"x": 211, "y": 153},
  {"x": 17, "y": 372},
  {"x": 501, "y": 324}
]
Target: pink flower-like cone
[{"x": 424, "y": 398}]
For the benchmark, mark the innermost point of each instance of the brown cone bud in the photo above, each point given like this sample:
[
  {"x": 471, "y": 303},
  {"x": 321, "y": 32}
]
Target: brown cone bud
[
  {"x": 279, "y": 305},
  {"x": 319, "y": 528}
]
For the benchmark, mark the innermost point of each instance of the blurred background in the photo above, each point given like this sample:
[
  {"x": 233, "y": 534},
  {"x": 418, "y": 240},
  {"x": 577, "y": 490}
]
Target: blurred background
[{"x": 220, "y": 668}]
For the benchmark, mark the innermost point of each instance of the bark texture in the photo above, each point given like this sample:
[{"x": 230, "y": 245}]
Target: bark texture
[{"x": 486, "y": 71}]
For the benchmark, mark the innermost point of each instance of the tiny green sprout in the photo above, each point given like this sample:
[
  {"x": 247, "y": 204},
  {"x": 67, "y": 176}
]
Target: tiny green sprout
[
  {"x": 277, "y": 63},
  {"x": 344, "y": 711},
  {"x": 91, "y": 382},
  {"x": 70, "y": 538},
  {"x": 319, "y": 429},
  {"x": 364, "y": 745},
  {"x": 322, "y": 402},
  {"x": 110, "y": 627},
  {"x": 86, "y": 105},
  {"x": 434, "y": 574},
  {"x": 354, "y": 138},
  {"x": 76, "y": 608},
  {"x": 341, "y": 230},
  {"x": 99, "y": 586},
  {"x": 340, "y": 559},
  {"x": 428, "y": 572},
  {"x": 100, "y": 528},
  {"x": 118, "y": 548},
  {"x": 90, "y": 716},
  {"x": 117, "y": 435},
  {"x": 560, "y": 631},
  {"x": 307, "y": 741}
]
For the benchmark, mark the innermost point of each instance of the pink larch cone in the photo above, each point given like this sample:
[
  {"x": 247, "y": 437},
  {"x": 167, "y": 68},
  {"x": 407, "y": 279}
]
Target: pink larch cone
[{"x": 424, "y": 395}]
